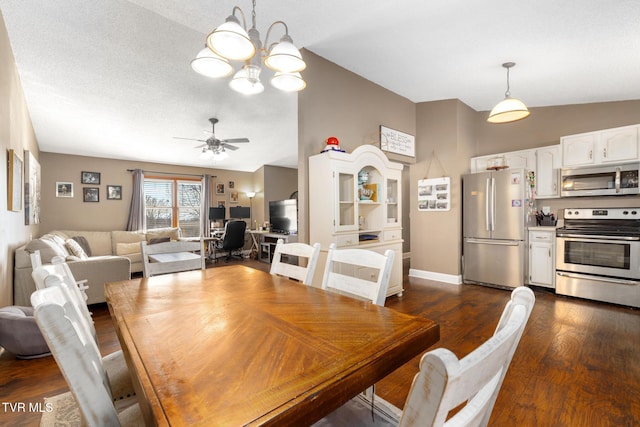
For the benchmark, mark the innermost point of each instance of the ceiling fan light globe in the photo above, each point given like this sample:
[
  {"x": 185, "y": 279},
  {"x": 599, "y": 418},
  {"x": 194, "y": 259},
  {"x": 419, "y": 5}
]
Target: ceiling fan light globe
[
  {"x": 288, "y": 82},
  {"x": 206, "y": 154},
  {"x": 247, "y": 81},
  {"x": 209, "y": 64},
  {"x": 285, "y": 57},
  {"x": 231, "y": 41},
  {"x": 508, "y": 110},
  {"x": 220, "y": 155}
]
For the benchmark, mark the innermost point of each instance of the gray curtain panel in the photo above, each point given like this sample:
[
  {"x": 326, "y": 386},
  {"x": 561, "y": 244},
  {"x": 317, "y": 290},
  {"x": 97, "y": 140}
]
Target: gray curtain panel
[{"x": 136, "y": 211}]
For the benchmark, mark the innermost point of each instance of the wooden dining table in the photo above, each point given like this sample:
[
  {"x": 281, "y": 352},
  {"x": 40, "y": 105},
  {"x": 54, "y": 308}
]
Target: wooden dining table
[{"x": 235, "y": 346}]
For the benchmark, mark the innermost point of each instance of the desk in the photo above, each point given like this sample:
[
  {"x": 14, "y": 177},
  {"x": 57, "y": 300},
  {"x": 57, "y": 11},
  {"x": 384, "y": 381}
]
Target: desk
[
  {"x": 255, "y": 243},
  {"x": 237, "y": 346}
]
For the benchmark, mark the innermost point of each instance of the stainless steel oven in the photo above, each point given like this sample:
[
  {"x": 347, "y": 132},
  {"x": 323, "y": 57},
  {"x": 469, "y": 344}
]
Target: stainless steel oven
[{"x": 598, "y": 255}]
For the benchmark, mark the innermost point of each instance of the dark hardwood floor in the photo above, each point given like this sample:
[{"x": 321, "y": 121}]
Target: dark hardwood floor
[{"x": 578, "y": 363}]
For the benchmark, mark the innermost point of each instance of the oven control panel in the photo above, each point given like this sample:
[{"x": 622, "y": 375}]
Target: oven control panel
[{"x": 610, "y": 213}]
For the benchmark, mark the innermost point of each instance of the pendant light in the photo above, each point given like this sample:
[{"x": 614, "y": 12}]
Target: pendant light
[{"x": 509, "y": 109}]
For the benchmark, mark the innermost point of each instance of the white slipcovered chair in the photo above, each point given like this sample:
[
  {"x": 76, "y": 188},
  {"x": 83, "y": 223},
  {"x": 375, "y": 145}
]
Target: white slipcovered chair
[
  {"x": 346, "y": 269},
  {"x": 295, "y": 271},
  {"x": 446, "y": 382},
  {"x": 79, "y": 360}
]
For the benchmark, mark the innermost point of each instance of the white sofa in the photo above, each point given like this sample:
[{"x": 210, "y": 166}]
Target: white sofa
[{"x": 96, "y": 256}]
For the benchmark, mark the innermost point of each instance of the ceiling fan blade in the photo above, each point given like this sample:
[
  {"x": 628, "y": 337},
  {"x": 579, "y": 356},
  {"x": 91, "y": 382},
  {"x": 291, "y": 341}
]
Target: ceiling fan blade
[
  {"x": 236, "y": 140},
  {"x": 190, "y": 139},
  {"x": 229, "y": 147},
  {"x": 201, "y": 146}
]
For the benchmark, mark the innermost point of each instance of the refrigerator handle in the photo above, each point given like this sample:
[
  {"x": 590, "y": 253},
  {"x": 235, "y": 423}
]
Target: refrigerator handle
[
  {"x": 493, "y": 204},
  {"x": 486, "y": 206}
]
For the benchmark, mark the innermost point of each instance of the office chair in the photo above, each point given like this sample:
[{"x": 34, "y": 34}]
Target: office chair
[{"x": 233, "y": 238}]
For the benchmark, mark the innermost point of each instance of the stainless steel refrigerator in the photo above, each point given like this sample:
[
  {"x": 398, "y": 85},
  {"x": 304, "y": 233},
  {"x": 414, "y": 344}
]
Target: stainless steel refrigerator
[{"x": 495, "y": 207}]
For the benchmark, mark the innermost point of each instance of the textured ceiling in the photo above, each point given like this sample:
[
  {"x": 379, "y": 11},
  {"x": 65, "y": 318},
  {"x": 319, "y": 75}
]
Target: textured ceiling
[{"x": 112, "y": 78}]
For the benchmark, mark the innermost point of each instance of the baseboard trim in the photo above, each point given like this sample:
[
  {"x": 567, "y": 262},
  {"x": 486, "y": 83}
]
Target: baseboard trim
[{"x": 438, "y": 277}]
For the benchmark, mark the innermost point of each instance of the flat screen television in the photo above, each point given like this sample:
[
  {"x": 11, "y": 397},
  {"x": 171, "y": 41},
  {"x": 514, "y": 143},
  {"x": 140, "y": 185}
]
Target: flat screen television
[
  {"x": 239, "y": 212},
  {"x": 217, "y": 213},
  {"x": 283, "y": 216}
]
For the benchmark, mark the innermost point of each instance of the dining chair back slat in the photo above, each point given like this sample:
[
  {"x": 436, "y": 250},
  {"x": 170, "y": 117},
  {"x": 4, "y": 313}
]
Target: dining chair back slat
[{"x": 303, "y": 273}]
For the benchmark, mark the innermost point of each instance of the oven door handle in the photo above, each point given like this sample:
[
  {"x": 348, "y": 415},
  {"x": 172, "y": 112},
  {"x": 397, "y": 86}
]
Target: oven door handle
[
  {"x": 602, "y": 279},
  {"x": 586, "y": 238}
]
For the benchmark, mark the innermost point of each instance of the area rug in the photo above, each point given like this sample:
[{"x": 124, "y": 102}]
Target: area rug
[
  {"x": 64, "y": 411},
  {"x": 359, "y": 411}
]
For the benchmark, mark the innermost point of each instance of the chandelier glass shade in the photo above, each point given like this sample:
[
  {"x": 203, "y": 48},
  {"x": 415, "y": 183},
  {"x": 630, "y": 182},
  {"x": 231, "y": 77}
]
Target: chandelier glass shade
[
  {"x": 209, "y": 64},
  {"x": 509, "y": 109},
  {"x": 232, "y": 42}
]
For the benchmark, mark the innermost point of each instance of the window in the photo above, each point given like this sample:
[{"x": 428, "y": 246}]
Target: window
[{"x": 173, "y": 203}]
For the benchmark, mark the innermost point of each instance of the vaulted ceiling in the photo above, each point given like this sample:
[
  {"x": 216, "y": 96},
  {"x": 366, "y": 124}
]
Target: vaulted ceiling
[{"x": 112, "y": 78}]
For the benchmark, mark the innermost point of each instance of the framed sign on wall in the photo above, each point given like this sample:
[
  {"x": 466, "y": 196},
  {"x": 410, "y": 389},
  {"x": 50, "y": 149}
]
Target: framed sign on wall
[
  {"x": 14, "y": 181},
  {"x": 394, "y": 141}
]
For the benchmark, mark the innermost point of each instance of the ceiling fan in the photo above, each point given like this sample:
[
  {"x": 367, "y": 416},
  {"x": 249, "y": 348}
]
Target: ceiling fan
[{"x": 213, "y": 147}]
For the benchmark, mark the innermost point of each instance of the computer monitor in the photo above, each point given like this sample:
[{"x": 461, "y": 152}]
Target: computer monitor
[
  {"x": 217, "y": 213},
  {"x": 239, "y": 212}
]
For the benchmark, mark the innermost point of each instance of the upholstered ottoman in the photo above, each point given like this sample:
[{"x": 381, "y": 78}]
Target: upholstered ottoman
[{"x": 19, "y": 333}]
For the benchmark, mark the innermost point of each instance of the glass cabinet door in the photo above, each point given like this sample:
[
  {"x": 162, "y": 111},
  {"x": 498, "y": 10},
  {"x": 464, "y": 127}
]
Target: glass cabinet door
[
  {"x": 346, "y": 215},
  {"x": 392, "y": 201}
]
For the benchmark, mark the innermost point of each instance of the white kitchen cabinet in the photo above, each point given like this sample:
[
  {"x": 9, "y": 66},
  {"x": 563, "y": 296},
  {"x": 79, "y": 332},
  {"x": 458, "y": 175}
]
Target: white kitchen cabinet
[
  {"x": 353, "y": 213},
  {"x": 525, "y": 159},
  {"x": 548, "y": 163},
  {"x": 542, "y": 256},
  {"x": 606, "y": 146}
]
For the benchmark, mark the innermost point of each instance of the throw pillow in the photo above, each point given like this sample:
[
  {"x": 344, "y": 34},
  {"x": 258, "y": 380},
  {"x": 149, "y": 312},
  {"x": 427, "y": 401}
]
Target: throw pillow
[
  {"x": 128, "y": 248},
  {"x": 75, "y": 249},
  {"x": 84, "y": 244},
  {"x": 159, "y": 240}
]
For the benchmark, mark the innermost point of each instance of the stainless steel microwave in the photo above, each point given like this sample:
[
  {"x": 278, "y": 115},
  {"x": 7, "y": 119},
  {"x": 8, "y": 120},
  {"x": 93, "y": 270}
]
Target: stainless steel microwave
[{"x": 606, "y": 180}]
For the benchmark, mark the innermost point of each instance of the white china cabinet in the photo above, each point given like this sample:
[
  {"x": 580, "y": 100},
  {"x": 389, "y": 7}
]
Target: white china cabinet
[{"x": 355, "y": 202}]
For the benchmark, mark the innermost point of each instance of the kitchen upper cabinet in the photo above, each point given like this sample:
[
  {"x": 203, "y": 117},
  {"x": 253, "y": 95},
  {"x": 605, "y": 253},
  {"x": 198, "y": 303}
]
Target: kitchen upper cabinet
[
  {"x": 548, "y": 163},
  {"x": 605, "y": 146},
  {"x": 525, "y": 159}
]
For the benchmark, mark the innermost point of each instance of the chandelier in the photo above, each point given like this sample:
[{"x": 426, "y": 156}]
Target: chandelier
[
  {"x": 509, "y": 109},
  {"x": 232, "y": 42}
]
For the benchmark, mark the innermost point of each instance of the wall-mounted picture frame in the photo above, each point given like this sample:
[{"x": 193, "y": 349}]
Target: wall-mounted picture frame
[
  {"x": 90, "y": 178},
  {"x": 232, "y": 184},
  {"x": 434, "y": 194},
  {"x": 14, "y": 181},
  {"x": 114, "y": 192},
  {"x": 64, "y": 189},
  {"x": 233, "y": 197},
  {"x": 32, "y": 189},
  {"x": 394, "y": 141},
  {"x": 222, "y": 203},
  {"x": 90, "y": 194},
  {"x": 219, "y": 188}
]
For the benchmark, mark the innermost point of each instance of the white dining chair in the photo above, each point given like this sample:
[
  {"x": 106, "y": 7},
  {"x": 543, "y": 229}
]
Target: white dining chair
[
  {"x": 446, "y": 382},
  {"x": 172, "y": 257},
  {"x": 114, "y": 363},
  {"x": 79, "y": 361},
  {"x": 302, "y": 273},
  {"x": 358, "y": 272}
]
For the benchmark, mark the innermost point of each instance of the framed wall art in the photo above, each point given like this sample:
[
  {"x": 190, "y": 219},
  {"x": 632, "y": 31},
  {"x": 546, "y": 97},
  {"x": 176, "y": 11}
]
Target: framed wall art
[
  {"x": 90, "y": 194},
  {"x": 64, "y": 189},
  {"x": 233, "y": 197},
  {"x": 31, "y": 189},
  {"x": 394, "y": 141},
  {"x": 90, "y": 178},
  {"x": 14, "y": 181},
  {"x": 114, "y": 192},
  {"x": 219, "y": 188},
  {"x": 434, "y": 194}
]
